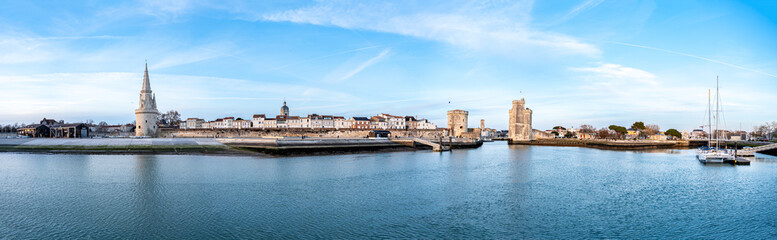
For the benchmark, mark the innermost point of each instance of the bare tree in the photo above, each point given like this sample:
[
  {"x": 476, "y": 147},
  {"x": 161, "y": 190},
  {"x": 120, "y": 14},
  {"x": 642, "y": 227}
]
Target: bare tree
[
  {"x": 587, "y": 128},
  {"x": 603, "y": 134},
  {"x": 570, "y": 134},
  {"x": 171, "y": 118},
  {"x": 651, "y": 129},
  {"x": 772, "y": 130},
  {"x": 766, "y": 131}
]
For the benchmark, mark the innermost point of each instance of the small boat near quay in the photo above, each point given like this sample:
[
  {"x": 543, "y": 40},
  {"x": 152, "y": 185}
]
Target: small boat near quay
[{"x": 710, "y": 154}]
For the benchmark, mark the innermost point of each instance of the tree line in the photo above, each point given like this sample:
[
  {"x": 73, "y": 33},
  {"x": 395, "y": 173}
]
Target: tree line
[
  {"x": 10, "y": 128},
  {"x": 620, "y": 132},
  {"x": 766, "y": 131}
]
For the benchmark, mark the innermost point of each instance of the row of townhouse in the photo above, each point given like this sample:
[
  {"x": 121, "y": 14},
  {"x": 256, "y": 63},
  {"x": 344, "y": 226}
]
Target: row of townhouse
[{"x": 312, "y": 121}]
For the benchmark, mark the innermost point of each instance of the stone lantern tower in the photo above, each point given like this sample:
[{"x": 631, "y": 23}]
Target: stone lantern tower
[{"x": 146, "y": 114}]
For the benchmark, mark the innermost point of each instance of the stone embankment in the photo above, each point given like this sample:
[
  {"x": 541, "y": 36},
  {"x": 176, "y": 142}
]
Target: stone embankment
[
  {"x": 299, "y": 145},
  {"x": 276, "y": 146},
  {"x": 605, "y": 144},
  {"x": 116, "y": 145}
]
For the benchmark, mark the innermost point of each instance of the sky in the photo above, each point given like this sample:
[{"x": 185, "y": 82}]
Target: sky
[{"x": 594, "y": 62}]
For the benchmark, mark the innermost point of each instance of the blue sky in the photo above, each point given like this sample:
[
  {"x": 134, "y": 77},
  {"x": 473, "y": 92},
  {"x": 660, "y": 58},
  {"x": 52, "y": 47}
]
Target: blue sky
[{"x": 576, "y": 62}]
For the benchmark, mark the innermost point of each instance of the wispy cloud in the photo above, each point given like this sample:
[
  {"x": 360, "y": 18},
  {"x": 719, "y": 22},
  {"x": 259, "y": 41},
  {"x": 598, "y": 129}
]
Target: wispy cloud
[
  {"x": 322, "y": 57},
  {"x": 366, "y": 64},
  {"x": 583, "y": 7},
  {"x": 607, "y": 73},
  {"x": 482, "y": 30},
  {"x": 697, "y": 57},
  {"x": 194, "y": 54},
  {"x": 25, "y": 48}
]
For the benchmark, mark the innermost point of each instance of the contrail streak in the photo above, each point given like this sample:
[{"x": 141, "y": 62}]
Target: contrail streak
[
  {"x": 697, "y": 57},
  {"x": 325, "y": 56}
]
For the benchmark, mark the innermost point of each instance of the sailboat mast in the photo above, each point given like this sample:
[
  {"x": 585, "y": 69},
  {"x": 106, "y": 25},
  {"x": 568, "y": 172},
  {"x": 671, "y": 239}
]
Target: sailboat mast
[
  {"x": 717, "y": 113},
  {"x": 709, "y": 117}
]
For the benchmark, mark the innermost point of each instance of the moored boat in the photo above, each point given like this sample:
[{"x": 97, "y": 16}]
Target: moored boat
[{"x": 710, "y": 154}]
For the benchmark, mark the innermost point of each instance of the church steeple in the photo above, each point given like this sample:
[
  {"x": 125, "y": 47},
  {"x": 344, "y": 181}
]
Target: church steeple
[{"x": 146, "y": 83}]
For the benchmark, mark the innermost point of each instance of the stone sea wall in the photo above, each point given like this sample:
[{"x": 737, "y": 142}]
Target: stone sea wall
[
  {"x": 605, "y": 144},
  {"x": 278, "y": 133}
]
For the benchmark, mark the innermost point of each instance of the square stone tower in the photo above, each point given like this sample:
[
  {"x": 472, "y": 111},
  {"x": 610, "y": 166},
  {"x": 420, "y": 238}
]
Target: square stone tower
[
  {"x": 457, "y": 122},
  {"x": 520, "y": 122}
]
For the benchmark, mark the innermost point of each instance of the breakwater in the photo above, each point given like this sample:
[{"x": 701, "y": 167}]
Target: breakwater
[
  {"x": 305, "y": 146},
  {"x": 605, "y": 144},
  {"x": 230, "y": 146}
]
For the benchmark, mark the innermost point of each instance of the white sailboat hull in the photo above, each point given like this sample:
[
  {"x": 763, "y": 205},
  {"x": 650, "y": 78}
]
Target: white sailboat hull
[{"x": 713, "y": 157}]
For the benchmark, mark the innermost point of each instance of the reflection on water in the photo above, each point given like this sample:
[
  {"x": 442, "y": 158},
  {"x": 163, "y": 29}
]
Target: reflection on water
[
  {"x": 496, "y": 191},
  {"x": 149, "y": 195}
]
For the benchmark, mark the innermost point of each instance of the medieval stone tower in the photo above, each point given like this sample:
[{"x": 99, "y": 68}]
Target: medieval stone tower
[
  {"x": 457, "y": 122},
  {"x": 520, "y": 122},
  {"x": 146, "y": 114}
]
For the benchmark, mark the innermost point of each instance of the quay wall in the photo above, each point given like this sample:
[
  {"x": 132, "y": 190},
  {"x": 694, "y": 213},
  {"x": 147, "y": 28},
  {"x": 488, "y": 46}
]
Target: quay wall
[
  {"x": 605, "y": 144},
  {"x": 291, "y": 132}
]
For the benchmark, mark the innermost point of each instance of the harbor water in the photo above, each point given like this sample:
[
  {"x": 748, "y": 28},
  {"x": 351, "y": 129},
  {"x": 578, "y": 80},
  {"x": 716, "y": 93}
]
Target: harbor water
[{"x": 495, "y": 191}]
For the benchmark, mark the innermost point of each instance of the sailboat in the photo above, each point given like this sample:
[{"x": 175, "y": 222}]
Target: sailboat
[{"x": 713, "y": 154}]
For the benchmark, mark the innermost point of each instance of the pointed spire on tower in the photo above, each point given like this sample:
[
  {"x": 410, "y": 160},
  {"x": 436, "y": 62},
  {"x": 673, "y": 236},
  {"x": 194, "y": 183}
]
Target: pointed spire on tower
[{"x": 146, "y": 83}]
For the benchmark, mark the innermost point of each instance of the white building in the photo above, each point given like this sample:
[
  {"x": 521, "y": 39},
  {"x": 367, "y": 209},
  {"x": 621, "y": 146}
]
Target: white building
[
  {"x": 293, "y": 122},
  {"x": 228, "y": 122},
  {"x": 280, "y": 121},
  {"x": 341, "y": 122},
  {"x": 327, "y": 121},
  {"x": 270, "y": 123},
  {"x": 320, "y": 121},
  {"x": 393, "y": 122},
  {"x": 425, "y": 124},
  {"x": 256, "y": 121},
  {"x": 377, "y": 122},
  {"x": 192, "y": 123},
  {"x": 218, "y": 123},
  {"x": 241, "y": 124},
  {"x": 304, "y": 122}
]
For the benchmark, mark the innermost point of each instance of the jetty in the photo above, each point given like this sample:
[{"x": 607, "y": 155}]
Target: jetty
[
  {"x": 738, "y": 161},
  {"x": 750, "y": 152},
  {"x": 439, "y": 146}
]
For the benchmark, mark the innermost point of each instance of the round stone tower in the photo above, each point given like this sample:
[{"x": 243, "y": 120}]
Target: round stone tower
[
  {"x": 146, "y": 114},
  {"x": 457, "y": 122}
]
